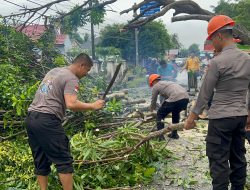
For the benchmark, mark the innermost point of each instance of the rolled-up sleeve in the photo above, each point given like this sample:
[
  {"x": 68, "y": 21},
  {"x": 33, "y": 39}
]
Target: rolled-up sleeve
[
  {"x": 155, "y": 93},
  {"x": 207, "y": 88},
  {"x": 71, "y": 87}
]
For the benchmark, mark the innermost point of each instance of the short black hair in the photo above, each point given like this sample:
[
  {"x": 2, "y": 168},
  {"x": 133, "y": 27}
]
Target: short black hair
[
  {"x": 227, "y": 33},
  {"x": 84, "y": 58}
]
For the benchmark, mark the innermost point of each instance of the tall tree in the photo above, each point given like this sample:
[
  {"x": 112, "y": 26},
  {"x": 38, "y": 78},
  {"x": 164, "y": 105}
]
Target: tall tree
[
  {"x": 238, "y": 10},
  {"x": 154, "y": 40},
  {"x": 175, "y": 41},
  {"x": 194, "y": 48}
]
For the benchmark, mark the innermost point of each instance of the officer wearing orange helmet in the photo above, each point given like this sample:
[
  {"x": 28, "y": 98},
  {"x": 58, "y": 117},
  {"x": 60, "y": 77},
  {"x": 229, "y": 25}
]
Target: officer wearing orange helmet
[
  {"x": 229, "y": 75},
  {"x": 175, "y": 99}
]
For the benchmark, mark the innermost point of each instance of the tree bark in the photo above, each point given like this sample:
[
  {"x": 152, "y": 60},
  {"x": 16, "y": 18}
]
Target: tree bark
[{"x": 194, "y": 11}]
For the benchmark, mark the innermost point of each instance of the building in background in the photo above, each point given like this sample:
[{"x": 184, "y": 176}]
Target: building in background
[{"x": 62, "y": 41}]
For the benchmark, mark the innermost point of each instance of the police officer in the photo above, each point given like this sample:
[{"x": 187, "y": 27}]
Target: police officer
[
  {"x": 175, "y": 100},
  {"x": 229, "y": 75},
  {"x": 47, "y": 139}
]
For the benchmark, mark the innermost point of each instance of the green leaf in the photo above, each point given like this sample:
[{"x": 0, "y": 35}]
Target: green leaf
[
  {"x": 109, "y": 143},
  {"x": 18, "y": 110},
  {"x": 149, "y": 172},
  {"x": 86, "y": 154},
  {"x": 22, "y": 97}
]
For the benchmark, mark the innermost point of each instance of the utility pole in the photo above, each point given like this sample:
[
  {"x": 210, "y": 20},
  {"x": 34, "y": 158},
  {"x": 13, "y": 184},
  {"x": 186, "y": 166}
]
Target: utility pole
[
  {"x": 92, "y": 36},
  {"x": 136, "y": 47}
]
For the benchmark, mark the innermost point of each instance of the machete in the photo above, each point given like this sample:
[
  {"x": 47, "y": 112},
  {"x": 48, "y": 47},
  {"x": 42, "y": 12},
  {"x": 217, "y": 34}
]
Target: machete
[{"x": 112, "y": 81}]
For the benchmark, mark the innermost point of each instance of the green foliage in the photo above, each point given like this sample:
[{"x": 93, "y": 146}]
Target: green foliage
[
  {"x": 194, "y": 48},
  {"x": 71, "y": 22},
  {"x": 76, "y": 51},
  {"x": 138, "y": 71},
  {"x": 21, "y": 101},
  {"x": 104, "y": 52},
  {"x": 238, "y": 10},
  {"x": 16, "y": 166},
  {"x": 16, "y": 49},
  {"x": 154, "y": 40},
  {"x": 136, "y": 77},
  {"x": 20, "y": 73},
  {"x": 60, "y": 61},
  {"x": 9, "y": 82},
  {"x": 49, "y": 53},
  {"x": 137, "y": 82},
  {"x": 248, "y": 182},
  {"x": 76, "y": 36},
  {"x": 243, "y": 8},
  {"x": 19, "y": 69},
  {"x": 138, "y": 168},
  {"x": 226, "y": 8},
  {"x": 183, "y": 53},
  {"x": 97, "y": 15},
  {"x": 112, "y": 37},
  {"x": 16, "y": 93},
  {"x": 79, "y": 17},
  {"x": 175, "y": 41},
  {"x": 243, "y": 47},
  {"x": 114, "y": 106}
]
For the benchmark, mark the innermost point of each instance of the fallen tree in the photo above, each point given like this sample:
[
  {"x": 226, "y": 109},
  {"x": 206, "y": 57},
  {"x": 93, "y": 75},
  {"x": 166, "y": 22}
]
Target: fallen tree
[{"x": 190, "y": 8}]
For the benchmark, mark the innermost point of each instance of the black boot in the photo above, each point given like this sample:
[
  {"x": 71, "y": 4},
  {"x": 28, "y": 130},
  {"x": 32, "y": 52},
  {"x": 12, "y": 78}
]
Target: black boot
[
  {"x": 238, "y": 187},
  {"x": 173, "y": 135}
]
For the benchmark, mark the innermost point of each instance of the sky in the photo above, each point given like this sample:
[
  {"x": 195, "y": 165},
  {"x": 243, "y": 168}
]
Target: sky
[{"x": 189, "y": 32}]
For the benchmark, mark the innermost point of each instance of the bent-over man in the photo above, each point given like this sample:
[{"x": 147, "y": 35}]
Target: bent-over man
[
  {"x": 175, "y": 100},
  {"x": 47, "y": 139}
]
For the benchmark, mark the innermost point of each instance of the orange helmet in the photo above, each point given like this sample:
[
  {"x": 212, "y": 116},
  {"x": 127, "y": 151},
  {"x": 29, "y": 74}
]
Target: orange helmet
[
  {"x": 152, "y": 78},
  {"x": 219, "y": 22}
]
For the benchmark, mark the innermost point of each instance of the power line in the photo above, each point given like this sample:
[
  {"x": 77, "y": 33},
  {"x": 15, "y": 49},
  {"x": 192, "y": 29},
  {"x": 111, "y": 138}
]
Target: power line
[
  {"x": 21, "y": 6},
  {"x": 119, "y": 10},
  {"x": 40, "y": 4},
  {"x": 100, "y": 25},
  {"x": 14, "y": 3},
  {"x": 19, "y": 21},
  {"x": 65, "y": 6},
  {"x": 122, "y": 38}
]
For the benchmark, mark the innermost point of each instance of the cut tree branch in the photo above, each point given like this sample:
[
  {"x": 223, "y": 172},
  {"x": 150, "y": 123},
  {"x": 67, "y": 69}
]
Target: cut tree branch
[
  {"x": 35, "y": 10},
  {"x": 184, "y": 6},
  {"x": 103, "y": 4},
  {"x": 191, "y": 17},
  {"x": 125, "y": 154},
  {"x": 189, "y": 7},
  {"x": 12, "y": 136}
]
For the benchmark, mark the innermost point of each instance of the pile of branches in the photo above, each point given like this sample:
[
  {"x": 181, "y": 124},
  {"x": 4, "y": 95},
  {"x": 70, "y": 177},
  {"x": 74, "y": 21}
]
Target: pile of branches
[{"x": 110, "y": 151}]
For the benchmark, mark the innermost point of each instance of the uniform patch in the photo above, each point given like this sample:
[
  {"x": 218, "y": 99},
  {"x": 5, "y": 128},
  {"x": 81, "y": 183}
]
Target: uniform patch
[{"x": 46, "y": 87}]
